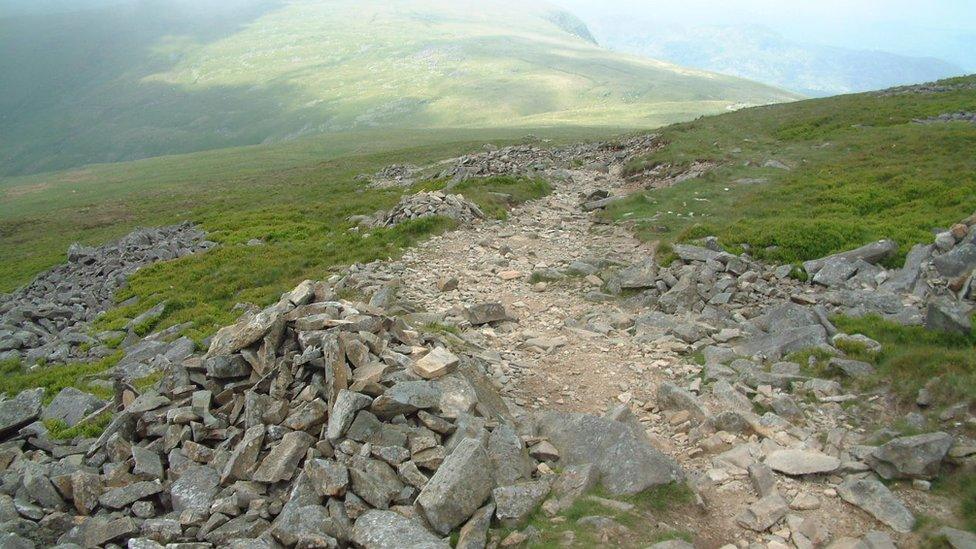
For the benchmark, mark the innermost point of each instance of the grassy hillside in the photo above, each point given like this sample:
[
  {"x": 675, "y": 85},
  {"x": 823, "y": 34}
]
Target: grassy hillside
[
  {"x": 238, "y": 193},
  {"x": 160, "y": 77},
  {"x": 860, "y": 170}
]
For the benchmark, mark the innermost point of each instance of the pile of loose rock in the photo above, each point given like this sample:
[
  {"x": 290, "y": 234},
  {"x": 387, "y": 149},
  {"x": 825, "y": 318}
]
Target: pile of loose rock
[
  {"x": 395, "y": 175},
  {"x": 927, "y": 88},
  {"x": 710, "y": 296},
  {"x": 523, "y": 159},
  {"x": 427, "y": 204},
  {"x": 312, "y": 423},
  {"x": 49, "y": 318},
  {"x": 962, "y": 116}
]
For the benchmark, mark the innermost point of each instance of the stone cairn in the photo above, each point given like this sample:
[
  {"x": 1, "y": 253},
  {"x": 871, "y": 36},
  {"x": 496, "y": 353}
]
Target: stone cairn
[
  {"x": 428, "y": 204},
  {"x": 315, "y": 422},
  {"x": 49, "y": 318}
]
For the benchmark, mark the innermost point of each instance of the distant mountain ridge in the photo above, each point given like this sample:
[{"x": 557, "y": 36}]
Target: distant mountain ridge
[
  {"x": 154, "y": 77},
  {"x": 760, "y": 54}
]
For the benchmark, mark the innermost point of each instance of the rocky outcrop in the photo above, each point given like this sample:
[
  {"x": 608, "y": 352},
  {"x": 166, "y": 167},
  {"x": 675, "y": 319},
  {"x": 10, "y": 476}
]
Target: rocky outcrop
[
  {"x": 48, "y": 320},
  {"x": 429, "y": 204},
  {"x": 309, "y": 424}
]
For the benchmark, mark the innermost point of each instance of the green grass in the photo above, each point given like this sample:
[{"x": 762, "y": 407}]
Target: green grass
[
  {"x": 959, "y": 486},
  {"x": 301, "y": 242},
  {"x": 298, "y": 204},
  {"x": 494, "y": 195},
  {"x": 911, "y": 356},
  {"x": 148, "y": 382},
  {"x": 655, "y": 503},
  {"x": 41, "y": 215},
  {"x": 59, "y": 430},
  {"x": 54, "y": 378},
  {"x": 861, "y": 171},
  {"x": 202, "y": 76}
]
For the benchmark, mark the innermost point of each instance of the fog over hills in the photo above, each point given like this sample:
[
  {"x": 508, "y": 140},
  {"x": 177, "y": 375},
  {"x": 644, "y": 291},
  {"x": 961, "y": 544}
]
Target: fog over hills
[
  {"x": 126, "y": 80},
  {"x": 815, "y": 48}
]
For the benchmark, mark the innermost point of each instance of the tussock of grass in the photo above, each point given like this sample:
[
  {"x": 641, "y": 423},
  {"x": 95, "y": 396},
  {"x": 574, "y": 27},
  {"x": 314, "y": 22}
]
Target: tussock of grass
[
  {"x": 911, "y": 356},
  {"x": 148, "y": 382},
  {"x": 55, "y": 378},
  {"x": 494, "y": 195},
  {"x": 961, "y": 488},
  {"x": 441, "y": 328},
  {"x": 861, "y": 171},
  {"x": 662, "y": 500},
  {"x": 59, "y": 430}
]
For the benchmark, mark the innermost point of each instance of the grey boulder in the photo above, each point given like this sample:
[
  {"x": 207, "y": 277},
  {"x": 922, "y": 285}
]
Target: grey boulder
[
  {"x": 19, "y": 411},
  {"x": 943, "y": 315},
  {"x": 918, "y": 456},
  {"x": 627, "y": 462},
  {"x": 388, "y": 530},
  {"x": 71, "y": 406},
  {"x": 461, "y": 484},
  {"x": 878, "y": 501},
  {"x": 514, "y": 504},
  {"x": 195, "y": 489},
  {"x": 872, "y": 253}
]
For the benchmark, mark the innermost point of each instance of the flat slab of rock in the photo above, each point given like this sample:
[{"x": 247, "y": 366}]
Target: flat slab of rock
[
  {"x": 438, "y": 362},
  {"x": 777, "y": 345},
  {"x": 127, "y": 495},
  {"x": 195, "y": 489},
  {"x": 484, "y": 313},
  {"x": 406, "y": 397},
  {"x": 459, "y": 487},
  {"x": 763, "y": 514},
  {"x": 71, "y": 406},
  {"x": 957, "y": 539},
  {"x": 852, "y": 368},
  {"x": 246, "y": 331},
  {"x": 918, "y": 456},
  {"x": 878, "y": 501},
  {"x": 873, "y": 253},
  {"x": 19, "y": 411},
  {"x": 801, "y": 462},
  {"x": 281, "y": 463},
  {"x": 627, "y": 461},
  {"x": 388, "y": 530}
]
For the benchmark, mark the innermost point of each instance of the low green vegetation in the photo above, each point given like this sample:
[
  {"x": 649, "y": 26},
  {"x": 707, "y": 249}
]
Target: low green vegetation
[
  {"x": 300, "y": 242},
  {"x": 495, "y": 195},
  {"x": 911, "y": 357},
  {"x": 859, "y": 170},
  {"x": 41, "y": 215},
  {"x": 653, "y": 504},
  {"x": 59, "y": 430},
  {"x": 960, "y": 487},
  {"x": 15, "y": 378}
]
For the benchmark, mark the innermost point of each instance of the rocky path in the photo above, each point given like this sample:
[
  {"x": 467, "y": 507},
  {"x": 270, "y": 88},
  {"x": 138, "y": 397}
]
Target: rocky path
[
  {"x": 571, "y": 350},
  {"x": 359, "y": 411},
  {"x": 547, "y": 361}
]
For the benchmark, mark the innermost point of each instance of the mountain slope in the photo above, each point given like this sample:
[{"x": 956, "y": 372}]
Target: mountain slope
[
  {"x": 154, "y": 77},
  {"x": 800, "y": 181},
  {"x": 763, "y": 55}
]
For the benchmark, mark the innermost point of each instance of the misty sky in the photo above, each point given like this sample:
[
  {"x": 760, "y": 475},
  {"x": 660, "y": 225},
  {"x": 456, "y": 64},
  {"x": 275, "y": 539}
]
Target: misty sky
[{"x": 937, "y": 28}]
